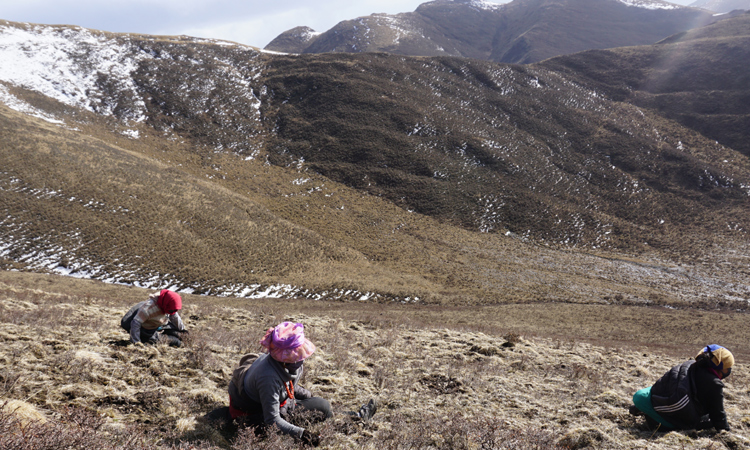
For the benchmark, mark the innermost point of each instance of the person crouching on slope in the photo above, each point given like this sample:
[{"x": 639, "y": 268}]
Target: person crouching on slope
[
  {"x": 264, "y": 389},
  {"x": 159, "y": 313},
  {"x": 690, "y": 395}
]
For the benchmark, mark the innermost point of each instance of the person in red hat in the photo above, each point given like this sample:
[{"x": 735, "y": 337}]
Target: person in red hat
[{"x": 159, "y": 313}]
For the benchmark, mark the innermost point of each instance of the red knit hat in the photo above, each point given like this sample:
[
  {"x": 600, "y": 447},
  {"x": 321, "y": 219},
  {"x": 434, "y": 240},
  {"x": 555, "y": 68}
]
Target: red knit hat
[{"x": 169, "y": 301}]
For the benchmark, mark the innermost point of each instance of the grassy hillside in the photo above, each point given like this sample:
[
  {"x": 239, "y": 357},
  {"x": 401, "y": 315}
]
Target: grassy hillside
[
  {"x": 148, "y": 214},
  {"x": 104, "y": 211},
  {"x": 443, "y": 382},
  {"x": 371, "y": 177}
]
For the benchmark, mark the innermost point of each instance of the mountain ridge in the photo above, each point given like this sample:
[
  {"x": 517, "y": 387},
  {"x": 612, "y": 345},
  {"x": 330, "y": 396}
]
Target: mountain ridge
[
  {"x": 522, "y": 31},
  {"x": 373, "y": 176}
]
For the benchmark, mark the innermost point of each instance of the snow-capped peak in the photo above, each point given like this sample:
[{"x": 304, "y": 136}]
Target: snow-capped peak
[
  {"x": 482, "y": 4},
  {"x": 650, "y": 4}
]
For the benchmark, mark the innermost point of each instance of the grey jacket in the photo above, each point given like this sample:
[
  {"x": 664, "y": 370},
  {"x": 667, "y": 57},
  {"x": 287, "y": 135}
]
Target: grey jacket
[{"x": 264, "y": 383}]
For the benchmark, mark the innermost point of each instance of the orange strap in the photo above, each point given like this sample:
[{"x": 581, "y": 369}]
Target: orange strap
[{"x": 288, "y": 392}]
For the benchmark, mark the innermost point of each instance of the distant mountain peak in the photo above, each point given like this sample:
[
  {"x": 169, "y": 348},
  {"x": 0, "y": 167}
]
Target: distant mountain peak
[
  {"x": 481, "y": 4},
  {"x": 294, "y": 40},
  {"x": 521, "y": 32},
  {"x": 651, "y": 4}
]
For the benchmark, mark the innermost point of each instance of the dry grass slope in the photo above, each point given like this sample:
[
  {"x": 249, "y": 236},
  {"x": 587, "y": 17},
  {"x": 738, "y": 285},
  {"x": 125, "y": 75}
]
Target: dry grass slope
[
  {"x": 441, "y": 385},
  {"x": 151, "y": 213}
]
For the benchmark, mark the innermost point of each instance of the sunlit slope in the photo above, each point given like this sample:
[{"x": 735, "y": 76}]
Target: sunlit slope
[{"x": 78, "y": 204}]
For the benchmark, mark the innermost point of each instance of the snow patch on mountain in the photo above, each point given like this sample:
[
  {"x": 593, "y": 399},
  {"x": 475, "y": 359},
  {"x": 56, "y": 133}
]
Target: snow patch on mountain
[
  {"x": 488, "y": 6},
  {"x": 67, "y": 63},
  {"x": 650, "y": 4},
  {"x": 309, "y": 35},
  {"x": 400, "y": 26},
  {"x": 16, "y": 104}
]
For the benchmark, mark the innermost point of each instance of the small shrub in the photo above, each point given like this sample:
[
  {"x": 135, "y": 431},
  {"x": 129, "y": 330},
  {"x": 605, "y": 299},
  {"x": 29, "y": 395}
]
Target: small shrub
[
  {"x": 461, "y": 433},
  {"x": 76, "y": 429}
]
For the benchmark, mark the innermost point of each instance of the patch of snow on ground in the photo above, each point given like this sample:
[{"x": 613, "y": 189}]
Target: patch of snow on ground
[
  {"x": 309, "y": 35},
  {"x": 19, "y": 105},
  {"x": 271, "y": 52},
  {"x": 132, "y": 134}
]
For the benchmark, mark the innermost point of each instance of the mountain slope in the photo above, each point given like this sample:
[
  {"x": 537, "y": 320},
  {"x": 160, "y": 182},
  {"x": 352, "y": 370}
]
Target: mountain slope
[
  {"x": 535, "y": 30},
  {"x": 722, "y": 6},
  {"x": 295, "y": 40},
  {"x": 104, "y": 212},
  {"x": 698, "y": 78},
  {"x": 502, "y": 148},
  {"x": 522, "y": 31},
  {"x": 219, "y": 169}
]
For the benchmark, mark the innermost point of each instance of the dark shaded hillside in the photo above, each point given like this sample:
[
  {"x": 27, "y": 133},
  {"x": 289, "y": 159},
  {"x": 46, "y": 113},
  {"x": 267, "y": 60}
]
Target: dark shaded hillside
[
  {"x": 497, "y": 148},
  {"x": 535, "y": 30},
  {"x": 522, "y": 31},
  {"x": 699, "y": 78}
]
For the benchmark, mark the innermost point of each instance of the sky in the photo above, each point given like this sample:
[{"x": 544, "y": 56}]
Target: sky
[{"x": 250, "y": 22}]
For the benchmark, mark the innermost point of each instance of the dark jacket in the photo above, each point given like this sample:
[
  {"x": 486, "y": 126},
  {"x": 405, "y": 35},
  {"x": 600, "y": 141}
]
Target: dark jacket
[
  {"x": 688, "y": 393},
  {"x": 258, "y": 386}
]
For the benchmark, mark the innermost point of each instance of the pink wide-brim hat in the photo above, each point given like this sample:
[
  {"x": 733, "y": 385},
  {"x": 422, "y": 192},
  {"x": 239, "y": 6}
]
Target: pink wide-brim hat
[{"x": 287, "y": 343}]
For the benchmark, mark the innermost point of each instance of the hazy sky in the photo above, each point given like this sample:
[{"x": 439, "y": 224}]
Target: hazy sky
[{"x": 251, "y": 22}]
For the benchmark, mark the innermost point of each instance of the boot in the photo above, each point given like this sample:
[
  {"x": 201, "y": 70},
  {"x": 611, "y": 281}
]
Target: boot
[{"x": 367, "y": 411}]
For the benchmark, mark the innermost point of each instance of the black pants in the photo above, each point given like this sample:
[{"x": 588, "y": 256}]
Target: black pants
[
  {"x": 255, "y": 418},
  {"x": 316, "y": 404}
]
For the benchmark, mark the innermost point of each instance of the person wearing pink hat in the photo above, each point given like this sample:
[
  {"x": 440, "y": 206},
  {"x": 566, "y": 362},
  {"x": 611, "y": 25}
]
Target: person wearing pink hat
[
  {"x": 264, "y": 389},
  {"x": 157, "y": 314}
]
